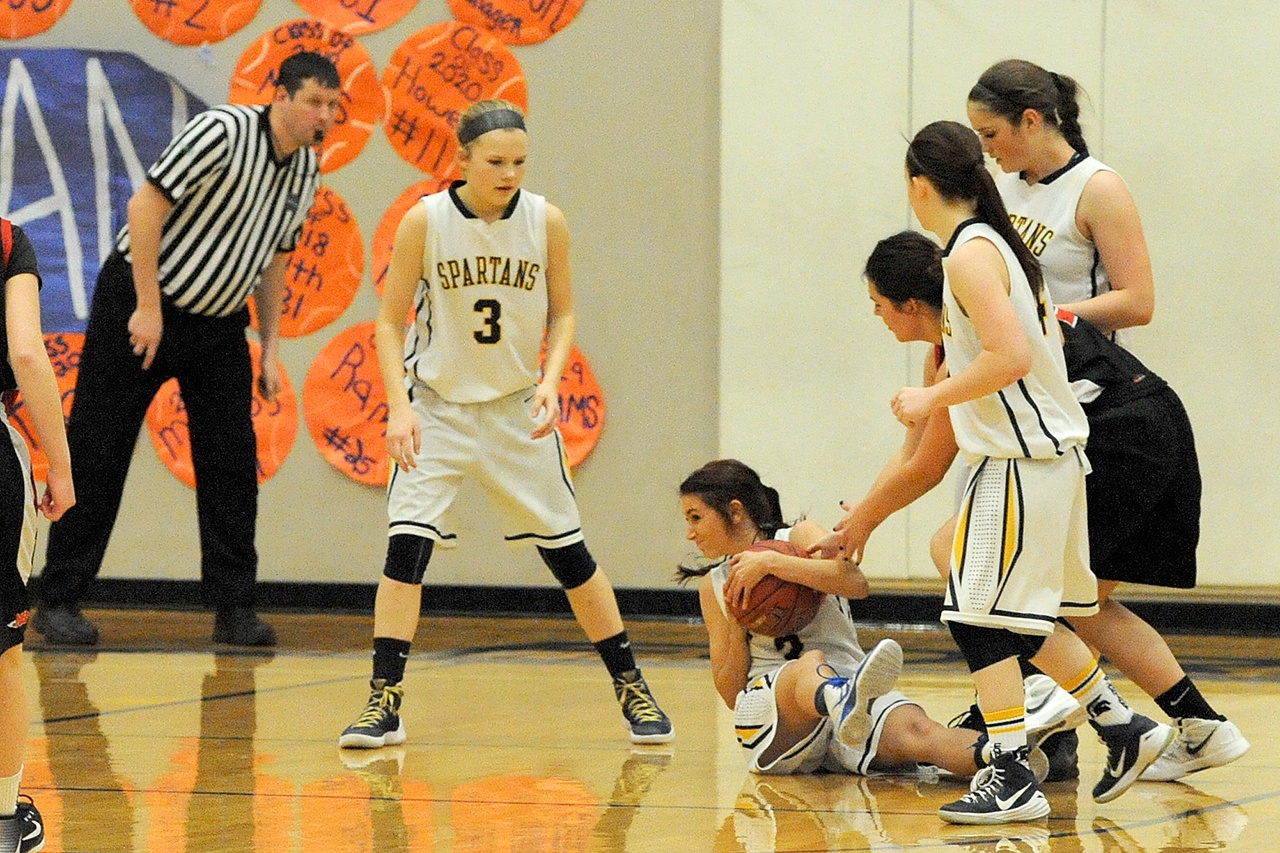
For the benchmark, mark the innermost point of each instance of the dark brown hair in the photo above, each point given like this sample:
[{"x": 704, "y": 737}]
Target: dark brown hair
[
  {"x": 950, "y": 156},
  {"x": 1010, "y": 88},
  {"x": 720, "y": 483}
]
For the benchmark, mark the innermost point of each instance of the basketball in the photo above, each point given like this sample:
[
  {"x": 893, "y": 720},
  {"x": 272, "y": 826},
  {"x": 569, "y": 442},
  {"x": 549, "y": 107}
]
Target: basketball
[{"x": 776, "y": 607}]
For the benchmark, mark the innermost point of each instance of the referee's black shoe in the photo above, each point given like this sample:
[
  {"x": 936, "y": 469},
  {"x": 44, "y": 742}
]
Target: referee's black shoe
[
  {"x": 65, "y": 625},
  {"x": 240, "y": 626}
]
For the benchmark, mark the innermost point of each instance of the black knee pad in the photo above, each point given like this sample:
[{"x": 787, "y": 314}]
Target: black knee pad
[
  {"x": 983, "y": 647},
  {"x": 407, "y": 557},
  {"x": 572, "y": 565}
]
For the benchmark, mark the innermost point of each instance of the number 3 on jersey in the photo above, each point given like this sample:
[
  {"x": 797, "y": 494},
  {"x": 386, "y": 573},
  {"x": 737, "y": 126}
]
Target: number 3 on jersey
[{"x": 491, "y": 309}]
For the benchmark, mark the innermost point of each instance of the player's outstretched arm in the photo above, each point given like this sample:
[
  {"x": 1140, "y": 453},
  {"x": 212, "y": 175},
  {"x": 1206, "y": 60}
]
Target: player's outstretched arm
[{"x": 836, "y": 576}]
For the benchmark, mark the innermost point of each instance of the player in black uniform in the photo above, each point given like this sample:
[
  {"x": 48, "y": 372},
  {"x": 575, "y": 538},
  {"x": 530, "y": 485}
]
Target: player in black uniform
[{"x": 25, "y": 368}]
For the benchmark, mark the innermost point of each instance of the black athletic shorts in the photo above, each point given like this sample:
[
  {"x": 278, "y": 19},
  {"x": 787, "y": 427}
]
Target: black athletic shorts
[{"x": 1144, "y": 493}]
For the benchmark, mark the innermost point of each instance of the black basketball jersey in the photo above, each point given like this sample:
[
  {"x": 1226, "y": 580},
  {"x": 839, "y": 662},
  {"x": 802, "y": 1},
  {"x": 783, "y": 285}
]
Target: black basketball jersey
[
  {"x": 1103, "y": 374},
  {"x": 19, "y": 256}
]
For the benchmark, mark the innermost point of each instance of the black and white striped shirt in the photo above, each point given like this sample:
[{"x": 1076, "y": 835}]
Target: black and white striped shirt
[{"x": 235, "y": 207}]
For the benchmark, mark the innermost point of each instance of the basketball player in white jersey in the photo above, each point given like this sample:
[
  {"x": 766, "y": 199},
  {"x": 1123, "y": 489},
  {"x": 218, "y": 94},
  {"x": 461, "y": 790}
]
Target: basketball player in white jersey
[
  {"x": 1073, "y": 212},
  {"x": 484, "y": 266},
  {"x": 812, "y": 700},
  {"x": 1020, "y": 550},
  {"x": 1079, "y": 219}
]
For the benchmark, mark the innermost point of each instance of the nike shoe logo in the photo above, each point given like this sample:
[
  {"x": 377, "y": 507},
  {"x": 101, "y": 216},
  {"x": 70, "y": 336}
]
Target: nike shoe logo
[
  {"x": 1006, "y": 803},
  {"x": 404, "y": 655},
  {"x": 1047, "y": 699},
  {"x": 1117, "y": 769},
  {"x": 1195, "y": 750}
]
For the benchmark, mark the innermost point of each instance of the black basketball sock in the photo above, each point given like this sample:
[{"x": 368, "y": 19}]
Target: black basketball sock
[
  {"x": 1184, "y": 700},
  {"x": 389, "y": 659},
  {"x": 616, "y": 653}
]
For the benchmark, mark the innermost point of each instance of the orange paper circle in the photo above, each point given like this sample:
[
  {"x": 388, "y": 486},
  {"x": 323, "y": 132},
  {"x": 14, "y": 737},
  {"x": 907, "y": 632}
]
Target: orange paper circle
[
  {"x": 22, "y": 18},
  {"x": 518, "y": 21},
  {"x": 363, "y": 100},
  {"x": 358, "y": 17},
  {"x": 433, "y": 76},
  {"x": 385, "y": 236},
  {"x": 345, "y": 406},
  {"x": 324, "y": 270},
  {"x": 64, "y": 350},
  {"x": 581, "y": 408},
  {"x": 195, "y": 22},
  {"x": 275, "y": 425}
]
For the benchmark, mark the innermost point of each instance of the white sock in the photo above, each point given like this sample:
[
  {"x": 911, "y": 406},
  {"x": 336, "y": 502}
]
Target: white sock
[
  {"x": 9, "y": 794},
  {"x": 1105, "y": 706}
]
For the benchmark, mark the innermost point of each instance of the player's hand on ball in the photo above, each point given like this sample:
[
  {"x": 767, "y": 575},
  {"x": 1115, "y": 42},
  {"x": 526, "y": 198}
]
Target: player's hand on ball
[{"x": 745, "y": 571}]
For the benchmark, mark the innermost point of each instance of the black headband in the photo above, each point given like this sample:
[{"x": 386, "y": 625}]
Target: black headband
[{"x": 491, "y": 120}]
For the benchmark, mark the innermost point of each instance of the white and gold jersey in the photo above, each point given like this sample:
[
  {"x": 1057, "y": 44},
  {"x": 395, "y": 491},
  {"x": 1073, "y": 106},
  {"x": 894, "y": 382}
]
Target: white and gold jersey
[
  {"x": 482, "y": 304},
  {"x": 831, "y": 631},
  {"x": 1044, "y": 213},
  {"x": 1036, "y": 417}
]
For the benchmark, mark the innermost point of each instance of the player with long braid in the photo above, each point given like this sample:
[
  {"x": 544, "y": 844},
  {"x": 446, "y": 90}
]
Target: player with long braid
[
  {"x": 1078, "y": 217},
  {"x": 1015, "y": 565}
]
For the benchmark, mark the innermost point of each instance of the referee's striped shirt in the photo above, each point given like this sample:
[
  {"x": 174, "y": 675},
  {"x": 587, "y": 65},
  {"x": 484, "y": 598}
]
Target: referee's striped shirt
[{"x": 235, "y": 207}]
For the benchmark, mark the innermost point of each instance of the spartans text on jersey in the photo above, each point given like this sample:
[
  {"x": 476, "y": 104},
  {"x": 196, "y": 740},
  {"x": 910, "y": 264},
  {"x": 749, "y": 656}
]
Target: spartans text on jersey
[{"x": 492, "y": 269}]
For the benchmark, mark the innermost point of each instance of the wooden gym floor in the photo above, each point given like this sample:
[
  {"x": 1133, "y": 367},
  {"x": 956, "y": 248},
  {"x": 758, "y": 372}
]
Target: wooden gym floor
[{"x": 160, "y": 741}]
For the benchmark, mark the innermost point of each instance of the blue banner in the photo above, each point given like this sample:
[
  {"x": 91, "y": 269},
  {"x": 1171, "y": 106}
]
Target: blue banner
[{"x": 78, "y": 130}]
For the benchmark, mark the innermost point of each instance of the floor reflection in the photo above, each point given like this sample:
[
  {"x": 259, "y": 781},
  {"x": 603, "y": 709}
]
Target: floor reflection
[
  {"x": 200, "y": 751},
  {"x": 79, "y": 760}
]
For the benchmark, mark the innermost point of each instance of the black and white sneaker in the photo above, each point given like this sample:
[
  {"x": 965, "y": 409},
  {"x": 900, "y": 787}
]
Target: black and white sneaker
[
  {"x": 1200, "y": 744},
  {"x": 32, "y": 826},
  {"x": 1005, "y": 791},
  {"x": 379, "y": 724},
  {"x": 23, "y": 831},
  {"x": 1131, "y": 747},
  {"x": 645, "y": 720},
  {"x": 1061, "y": 750}
]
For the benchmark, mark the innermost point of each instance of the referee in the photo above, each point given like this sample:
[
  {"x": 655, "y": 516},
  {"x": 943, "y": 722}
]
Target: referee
[{"x": 214, "y": 222}]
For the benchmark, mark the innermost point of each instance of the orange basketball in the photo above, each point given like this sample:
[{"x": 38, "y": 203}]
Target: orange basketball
[
  {"x": 324, "y": 271},
  {"x": 777, "y": 608}
]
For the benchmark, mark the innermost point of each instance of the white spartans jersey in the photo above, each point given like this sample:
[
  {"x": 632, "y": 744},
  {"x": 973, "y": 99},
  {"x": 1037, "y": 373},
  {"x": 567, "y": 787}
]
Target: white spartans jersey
[
  {"x": 1044, "y": 214},
  {"x": 482, "y": 304},
  {"x": 831, "y": 630},
  {"x": 1036, "y": 417}
]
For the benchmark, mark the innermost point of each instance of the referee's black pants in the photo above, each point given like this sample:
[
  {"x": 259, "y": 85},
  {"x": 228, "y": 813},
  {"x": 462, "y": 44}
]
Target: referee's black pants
[{"x": 210, "y": 358}]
